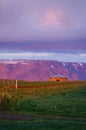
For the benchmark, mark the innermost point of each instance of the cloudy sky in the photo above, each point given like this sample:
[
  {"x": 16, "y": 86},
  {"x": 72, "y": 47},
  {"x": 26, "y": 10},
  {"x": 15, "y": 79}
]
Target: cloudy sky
[{"x": 43, "y": 29}]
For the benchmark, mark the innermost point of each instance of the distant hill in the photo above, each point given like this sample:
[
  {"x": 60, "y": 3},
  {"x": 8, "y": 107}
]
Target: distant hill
[{"x": 39, "y": 70}]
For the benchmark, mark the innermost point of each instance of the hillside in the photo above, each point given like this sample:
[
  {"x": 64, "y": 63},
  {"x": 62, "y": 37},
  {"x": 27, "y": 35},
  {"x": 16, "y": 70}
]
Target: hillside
[{"x": 39, "y": 70}]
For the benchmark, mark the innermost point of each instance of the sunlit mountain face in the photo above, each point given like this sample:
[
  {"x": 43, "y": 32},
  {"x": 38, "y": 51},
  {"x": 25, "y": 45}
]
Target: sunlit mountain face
[{"x": 41, "y": 70}]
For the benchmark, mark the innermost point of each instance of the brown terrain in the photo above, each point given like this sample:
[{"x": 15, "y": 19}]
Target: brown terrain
[{"x": 39, "y": 70}]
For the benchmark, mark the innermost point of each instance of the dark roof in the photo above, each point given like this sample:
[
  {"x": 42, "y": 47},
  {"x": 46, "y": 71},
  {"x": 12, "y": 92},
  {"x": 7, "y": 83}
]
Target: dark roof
[{"x": 58, "y": 75}]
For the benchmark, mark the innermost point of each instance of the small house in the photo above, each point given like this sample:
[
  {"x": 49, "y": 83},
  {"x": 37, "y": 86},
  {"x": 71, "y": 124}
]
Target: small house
[{"x": 58, "y": 78}]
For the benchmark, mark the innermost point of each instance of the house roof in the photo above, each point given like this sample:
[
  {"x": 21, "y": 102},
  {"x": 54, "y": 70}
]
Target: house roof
[{"x": 58, "y": 75}]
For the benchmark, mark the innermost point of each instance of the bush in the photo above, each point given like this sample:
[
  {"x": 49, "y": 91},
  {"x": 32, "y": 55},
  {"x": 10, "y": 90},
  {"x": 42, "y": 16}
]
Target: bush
[{"x": 5, "y": 102}]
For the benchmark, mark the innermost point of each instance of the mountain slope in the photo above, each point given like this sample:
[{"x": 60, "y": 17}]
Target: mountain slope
[{"x": 36, "y": 70}]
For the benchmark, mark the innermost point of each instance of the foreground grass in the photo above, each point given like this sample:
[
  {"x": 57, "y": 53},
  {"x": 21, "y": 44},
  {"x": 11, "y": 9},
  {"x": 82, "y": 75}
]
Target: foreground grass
[
  {"x": 48, "y": 98},
  {"x": 45, "y": 98},
  {"x": 51, "y": 98},
  {"x": 66, "y": 99},
  {"x": 43, "y": 125}
]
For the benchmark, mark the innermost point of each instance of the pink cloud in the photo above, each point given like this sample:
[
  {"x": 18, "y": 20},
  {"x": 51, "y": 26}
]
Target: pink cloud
[
  {"x": 52, "y": 17},
  {"x": 56, "y": 18}
]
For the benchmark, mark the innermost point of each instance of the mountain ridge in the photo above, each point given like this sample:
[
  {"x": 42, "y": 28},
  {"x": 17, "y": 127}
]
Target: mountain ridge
[{"x": 41, "y": 70}]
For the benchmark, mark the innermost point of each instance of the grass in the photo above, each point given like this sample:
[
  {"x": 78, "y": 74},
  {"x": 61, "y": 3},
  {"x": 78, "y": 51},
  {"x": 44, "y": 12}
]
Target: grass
[
  {"x": 42, "y": 125},
  {"x": 46, "y": 98},
  {"x": 55, "y": 98},
  {"x": 67, "y": 99}
]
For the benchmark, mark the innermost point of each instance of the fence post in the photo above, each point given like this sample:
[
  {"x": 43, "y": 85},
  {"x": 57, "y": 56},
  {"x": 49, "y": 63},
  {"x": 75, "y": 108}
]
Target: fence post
[
  {"x": 18, "y": 104},
  {"x": 16, "y": 84}
]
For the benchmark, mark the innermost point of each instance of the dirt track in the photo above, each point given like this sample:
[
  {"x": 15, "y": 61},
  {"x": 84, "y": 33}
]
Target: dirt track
[
  {"x": 24, "y": 117},
  {"x": 12, "y": 116}
]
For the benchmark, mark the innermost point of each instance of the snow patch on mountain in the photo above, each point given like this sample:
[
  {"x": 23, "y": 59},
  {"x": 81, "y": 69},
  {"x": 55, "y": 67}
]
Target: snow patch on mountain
[
  {"x": 80, "y": 64},
  {"x": 52, "y": 66},
  {"x": 64, "y": 64},
  {"x": 9, "y": 62}
]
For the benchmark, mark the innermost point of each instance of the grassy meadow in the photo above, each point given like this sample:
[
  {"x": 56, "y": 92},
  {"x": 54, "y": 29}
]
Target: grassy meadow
[
  {"x": 43, "y": 125},
  {"x": 66, "y": 99}
]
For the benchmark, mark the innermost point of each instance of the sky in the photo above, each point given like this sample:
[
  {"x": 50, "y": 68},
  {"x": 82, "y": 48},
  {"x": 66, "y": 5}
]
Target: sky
[{"x": 43, "y": 29}]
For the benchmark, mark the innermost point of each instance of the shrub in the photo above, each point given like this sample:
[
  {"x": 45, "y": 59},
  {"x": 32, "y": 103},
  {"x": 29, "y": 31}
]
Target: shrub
[{"x": 5, "y": 102}]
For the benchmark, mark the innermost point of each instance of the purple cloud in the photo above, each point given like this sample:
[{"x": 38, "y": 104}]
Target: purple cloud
[{"x": 49, "y": 22}]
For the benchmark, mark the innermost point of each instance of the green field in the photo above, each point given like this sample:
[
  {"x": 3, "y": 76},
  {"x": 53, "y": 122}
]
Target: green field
[
  {"x": 64, "y": 99},
  {"x": 42, "y": 125}
]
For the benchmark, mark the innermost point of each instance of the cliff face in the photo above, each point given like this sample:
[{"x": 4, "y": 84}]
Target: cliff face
[{"x": 41, "y": 70}]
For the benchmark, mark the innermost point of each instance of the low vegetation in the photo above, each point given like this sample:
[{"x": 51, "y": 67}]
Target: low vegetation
[
  {"x": 66, "y": 99},
  {"x": 43, "y": 125}
]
